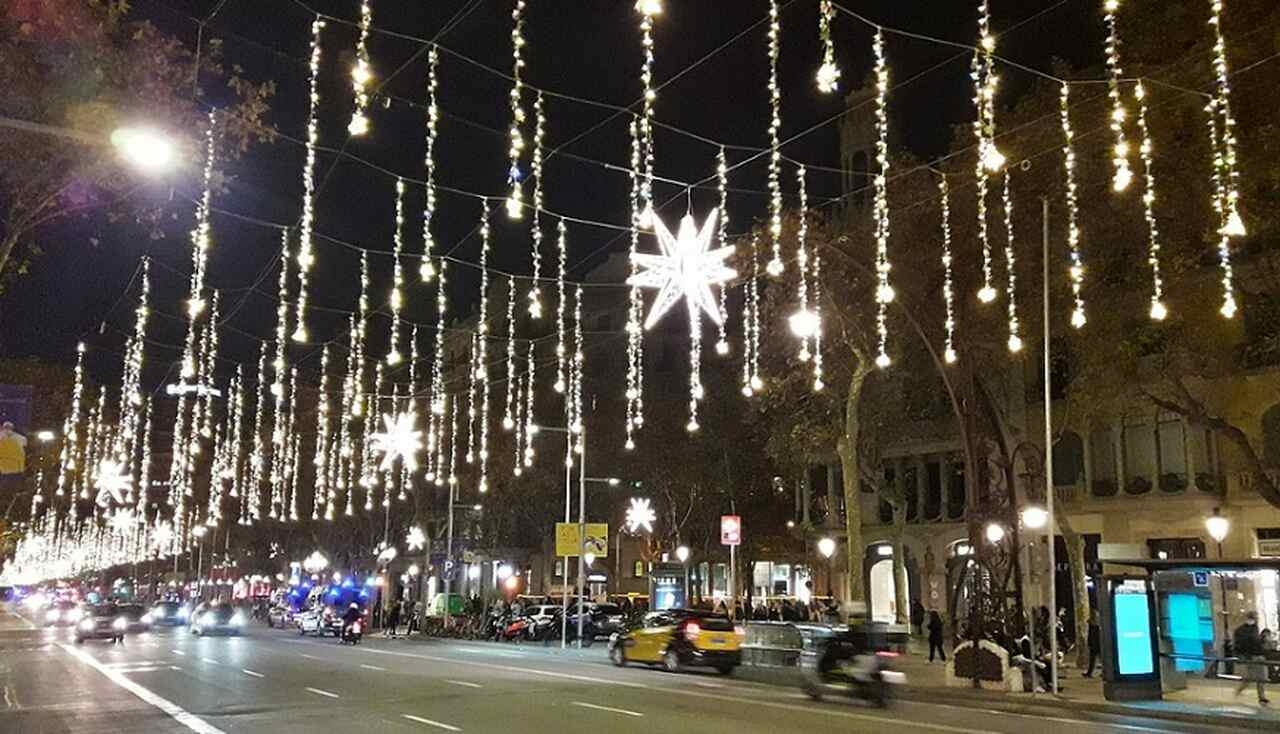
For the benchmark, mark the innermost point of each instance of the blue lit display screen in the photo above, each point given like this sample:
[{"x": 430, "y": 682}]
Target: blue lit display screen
[{"x": 1134, "y": 654}]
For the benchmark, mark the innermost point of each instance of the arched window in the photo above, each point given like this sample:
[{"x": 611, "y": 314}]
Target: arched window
[
  {"x": 1271, "y": 436},
  {"x": 1068, "y": 460}
]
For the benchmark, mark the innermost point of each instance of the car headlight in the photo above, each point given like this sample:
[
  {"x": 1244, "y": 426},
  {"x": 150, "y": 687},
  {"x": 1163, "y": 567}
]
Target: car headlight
[
  {"x": 183, "y": 613},
  {"x": 86, "y": 624},
  {"x": 146, "y": 618},
  {"x": 75, "y": 615},
  {"x": 120, "y": 624},
  {"x": 237, "y": 619}
]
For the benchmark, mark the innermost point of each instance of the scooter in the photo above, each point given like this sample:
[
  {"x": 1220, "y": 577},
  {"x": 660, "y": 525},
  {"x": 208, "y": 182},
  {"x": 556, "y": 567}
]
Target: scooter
[
  {"x": 352, "y": 633},
  {"x": 846, "y": 661},
  {"x": 516, "y": 630}
]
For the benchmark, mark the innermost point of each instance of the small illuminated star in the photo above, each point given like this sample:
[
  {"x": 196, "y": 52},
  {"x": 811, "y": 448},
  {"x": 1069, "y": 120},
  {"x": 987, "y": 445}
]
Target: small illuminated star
[
  {"x": 416, "y": 540},
  {"x": 400, "y": 440},
  {"x": 686, "y": 269},
  {"x": 640, "y": 516},
  {"x": 112, "y": 481}
]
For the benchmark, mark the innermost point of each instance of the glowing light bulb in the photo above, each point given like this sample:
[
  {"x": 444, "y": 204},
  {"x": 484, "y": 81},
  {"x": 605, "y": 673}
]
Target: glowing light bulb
[
  {"x": 649, "y": 7},
  {"x": 883, "y": 361},
  {"x": 1015, "y": 343},
  {"x": 1234, "y": 226},
  {"x": 987, "y": 294},
  {"x": 803, "y": 323},
  {"x": 992, "y": 159},
  {"x": 1158, "y": 311},
  {"x": 828, "y": 78}
]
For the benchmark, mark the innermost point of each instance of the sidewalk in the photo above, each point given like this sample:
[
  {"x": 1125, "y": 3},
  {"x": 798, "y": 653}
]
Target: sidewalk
[{"x": 1203, "y": 702}]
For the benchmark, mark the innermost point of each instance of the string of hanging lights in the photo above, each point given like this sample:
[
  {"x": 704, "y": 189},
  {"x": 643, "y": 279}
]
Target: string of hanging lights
[
  {"x": 828, "y": 76},
  {"x": 426, "y": 269},
  {"x": 1011, "y": 271},
  {"x": 515, "y": 200},
  {"x": 1076, "y": 270},
  {"x": 775, "y": 266},
  {"x": 948, "y": 290},
  {"x": 306, "y": 255},
  {"x": 362, "y": 74},
  {"x": 990, "y": 159},
  {"x": 1158, "y": 311},
  {"x": 884, "y": 291},
  {"x": 1123, "y": 174},
  {"x": 396, "y": 300},
  {"x": 535, "y": 246}
]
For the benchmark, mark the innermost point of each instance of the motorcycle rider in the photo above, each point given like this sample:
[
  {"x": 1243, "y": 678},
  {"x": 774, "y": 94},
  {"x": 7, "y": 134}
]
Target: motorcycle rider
[{"x": 350, "y": 617}]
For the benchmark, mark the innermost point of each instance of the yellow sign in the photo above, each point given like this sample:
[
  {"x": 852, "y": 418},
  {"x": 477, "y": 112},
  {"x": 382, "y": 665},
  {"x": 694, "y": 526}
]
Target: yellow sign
[{"x": 568, "y": 542}]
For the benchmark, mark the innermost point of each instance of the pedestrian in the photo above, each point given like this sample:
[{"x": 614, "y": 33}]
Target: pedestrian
[
  {"x": 1248, "y": 647},
  {"x": 393, "y": 619},
  {"x": 1095, "y": 642},
  {"x": 935, "y": 636},
  {"x": 917, "y": 617}
]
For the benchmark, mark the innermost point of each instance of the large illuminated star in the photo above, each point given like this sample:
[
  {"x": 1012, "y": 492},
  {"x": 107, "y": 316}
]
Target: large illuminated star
[
  {"x": 112, "y": 481},
  {"x": 686, "y": 269},
  {"x": 400, "y": 440},
  {"x": 416, "y": 540},
  {"x": 640, "y": 515}
]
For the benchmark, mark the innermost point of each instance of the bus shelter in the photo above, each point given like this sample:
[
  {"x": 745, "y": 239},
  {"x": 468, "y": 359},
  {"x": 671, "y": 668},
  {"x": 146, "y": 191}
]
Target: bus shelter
[{"x": 1167, "y": 623}]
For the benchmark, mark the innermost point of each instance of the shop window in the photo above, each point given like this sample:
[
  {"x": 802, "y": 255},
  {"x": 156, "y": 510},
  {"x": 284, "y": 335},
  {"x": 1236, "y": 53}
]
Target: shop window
[
  {"x": 1176, "y": 548},
  {"x": 1068, "y": 460},
  {"x": 1103, "y": 457}
]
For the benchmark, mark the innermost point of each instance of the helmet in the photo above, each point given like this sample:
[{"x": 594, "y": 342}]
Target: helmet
[{"x": 354, "y": 606}]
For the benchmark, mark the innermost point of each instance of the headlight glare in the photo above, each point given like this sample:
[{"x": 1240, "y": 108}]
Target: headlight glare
[{"x": 120, "y": 623}]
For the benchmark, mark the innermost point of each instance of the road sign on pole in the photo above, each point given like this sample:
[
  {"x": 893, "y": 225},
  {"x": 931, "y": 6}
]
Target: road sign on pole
[
  {"x": 596, "y": 541},
  {"x": 730, "y": 530}
]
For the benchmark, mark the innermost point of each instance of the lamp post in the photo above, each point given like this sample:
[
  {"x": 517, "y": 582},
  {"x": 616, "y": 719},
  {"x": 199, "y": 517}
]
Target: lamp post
[
  {"x": 682, "y": 555},
  {"x": 827, "y": 547},
  {"x": 199, "y": 532},
  {"x": 1218, "y": 527}
]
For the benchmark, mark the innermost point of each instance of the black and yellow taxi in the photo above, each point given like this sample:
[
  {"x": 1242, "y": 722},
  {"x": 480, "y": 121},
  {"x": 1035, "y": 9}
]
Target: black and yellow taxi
[{"x": 680, "y": 638}]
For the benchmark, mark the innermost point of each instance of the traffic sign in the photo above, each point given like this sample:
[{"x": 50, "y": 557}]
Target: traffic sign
[
  {"x": 596, "y": 542},
  {"x": 730, "y": 530}
]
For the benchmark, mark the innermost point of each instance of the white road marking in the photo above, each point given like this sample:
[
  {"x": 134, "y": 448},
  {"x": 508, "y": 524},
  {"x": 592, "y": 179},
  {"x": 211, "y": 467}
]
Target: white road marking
[
  {"x": 372, "y": 667},
  {"x": 178, "y": 652},
  {"x": 142, "y": 670},
  {"x": 308, "y": 657},
  {"x": 255, "y": 674},
  {"x": 704, "y": 684},
  {"x": 610, "y": 709},
  {"x": 466, "y": 684},
  {"x": 210, "y": 661},
  {"x": 319, "y": 692},
  {"x": 174, "y": 667},
  {"x": 429, "y": 722},
  {"x": 179, "y": 714}
]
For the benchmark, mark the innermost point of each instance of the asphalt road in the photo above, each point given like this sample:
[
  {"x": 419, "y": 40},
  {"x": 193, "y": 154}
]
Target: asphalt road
[{"x": 274, "y": 681}]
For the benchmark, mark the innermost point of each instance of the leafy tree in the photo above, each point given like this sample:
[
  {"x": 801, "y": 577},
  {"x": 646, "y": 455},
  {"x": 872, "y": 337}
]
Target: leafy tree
[{"x": 79, "y": 69}]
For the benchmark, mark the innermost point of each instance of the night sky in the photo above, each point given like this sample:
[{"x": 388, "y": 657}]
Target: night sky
[{"x": 581, "y": 48}]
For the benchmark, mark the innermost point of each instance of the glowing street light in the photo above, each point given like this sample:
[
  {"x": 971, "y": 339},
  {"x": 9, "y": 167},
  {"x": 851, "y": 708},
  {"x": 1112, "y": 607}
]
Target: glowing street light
[
  {"x": 45, "y": 436},
  {"x": 682, "y": 553},
  {"x": 1035, "y": 517},
  {"x": 315, "y": 563},
  {"x": 1218, "y": 527},
  {"x": 827, "y": 547},
  {"x": 145, "y": 148},
  {"x": 995, "y": 533}
]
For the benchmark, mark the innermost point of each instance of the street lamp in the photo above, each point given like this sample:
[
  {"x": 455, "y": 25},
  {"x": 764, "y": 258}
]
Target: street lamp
[
  {"x": 199, "y": 532},
  {"x": 45, "y": 436},
  {"x": 995, "y": 533},
  {"x": 682, "y": 554},
  {"x": 145, "y": 148},
  {"x": 1218, "y": 526},
  {"x": 1035, "y": 517},
  {"x": 827, "y": 547},
  {"x": 315, "y": 563}
]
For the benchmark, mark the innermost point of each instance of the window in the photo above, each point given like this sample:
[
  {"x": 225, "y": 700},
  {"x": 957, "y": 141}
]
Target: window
[
  {"x": 1271, "y": 436},
  {"x": 1068, "y": 460},
  {"x": 1171, "y": 443},
  {"x": 1103, "y": 458},
  {"x": 932, "y": 490},
  {"x": 956, "y": 491},
  {"x": 909, "y": 487},
  {"x": 638, "y": 570},
  {"x": 559, "y": 570},
  {"x": 1201, "y": 449},
  {"x": 1176, "y": 548},
  {"x": 1139, "y": 443}
]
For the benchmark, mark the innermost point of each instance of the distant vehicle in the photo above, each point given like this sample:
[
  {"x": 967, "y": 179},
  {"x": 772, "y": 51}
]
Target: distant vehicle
[
  {"x": 217, "y": 619},
  {"x": 279, "y": 615},
  {"x": 167, "y": 614},
  {"x": 61, "y": 614},
  {"x": 607, "y": 619},
  {"x": 352, "y": 633},
  {"x": 319, "y": 621},
  {"x": 680, "y": 638},
  {"x": 136, "y": 617},
  {"x": 102, "y": 622}
]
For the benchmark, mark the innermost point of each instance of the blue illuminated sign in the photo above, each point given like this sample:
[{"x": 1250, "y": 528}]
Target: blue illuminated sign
[{"x": 1132, "y": 612}]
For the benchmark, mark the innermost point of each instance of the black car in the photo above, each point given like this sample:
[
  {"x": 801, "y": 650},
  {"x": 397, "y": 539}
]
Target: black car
[
  {"x": 606, "y": 619},
  {"x": 167, "y": 614},
  {"x": 102, "y": 622},
  {"x": 137, "y": 619},
  {"x": 61, "y": 614},
  {"x": 217, "y": 619}
]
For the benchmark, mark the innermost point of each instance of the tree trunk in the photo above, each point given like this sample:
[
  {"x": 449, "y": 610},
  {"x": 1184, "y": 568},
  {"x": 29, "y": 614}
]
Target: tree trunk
[
  {"x": 901, "y": 603},
  {"x": 6, "y": 249},
  {"x": 1079, "y": 586},
  {"x": 847, "y": 447}
]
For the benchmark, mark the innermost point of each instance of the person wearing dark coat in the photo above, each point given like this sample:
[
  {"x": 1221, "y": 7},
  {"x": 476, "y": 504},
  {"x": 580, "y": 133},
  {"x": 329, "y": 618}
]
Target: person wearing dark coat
[
  {"x": 1095, "y": 642},
  {"x": 917, "y": 616},
  {"x": 935, "y": 636}
]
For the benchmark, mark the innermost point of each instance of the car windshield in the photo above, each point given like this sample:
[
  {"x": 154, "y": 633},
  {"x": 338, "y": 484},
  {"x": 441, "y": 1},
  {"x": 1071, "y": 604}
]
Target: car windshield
[
  {"x": 714, "y": 623},
  {"x": 103, "y": 610},
  {"x": 166, "y": 608},
  {"x": 221, "y": 613},
  {"x": 132, "y": 611},
  {"x": 609, "y": 609}
]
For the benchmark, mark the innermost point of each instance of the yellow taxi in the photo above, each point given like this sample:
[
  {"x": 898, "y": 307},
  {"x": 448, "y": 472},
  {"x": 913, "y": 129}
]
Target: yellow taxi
[{"x": 679, "y": 638}]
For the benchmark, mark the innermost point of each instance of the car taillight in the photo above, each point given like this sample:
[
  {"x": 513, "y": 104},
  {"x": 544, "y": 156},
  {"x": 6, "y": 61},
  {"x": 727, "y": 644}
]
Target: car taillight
[
  {"x": 739, "y": 630},
  {"x": 355, "y": 627},
  {"x": 691, "y": 631}
]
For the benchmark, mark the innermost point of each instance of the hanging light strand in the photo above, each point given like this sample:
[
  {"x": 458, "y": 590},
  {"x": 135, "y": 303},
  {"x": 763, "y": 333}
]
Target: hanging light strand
[
  {"x": 802, "y": 321},
  {"x": 306, "y": 254},
  {"x": 200, "y": 237},
  {"x": 515, "y": 200},
  {"x": 482, "y": 360},
  {"x": 530, "y": 423},
  {"x": 818, "y": 384},
  {"x": 1076, "y": 271},
  {"x": 320, "y": 506},
  {"x": 751, "y": 381},
  {"x": 71, "y": 446},
  {"x": 257, "y": 460},
  {"x": 426, "y": 271},
  {"x": 948, "y": 288},
  {"x": 635, "y": 336},
  {"x": 473, "y": 412},
  {"x": 648, "y": 10},
  {"x": 722, "y": 184},
  {"x": 775, "y": 266},
  {"x": 362, "y": 74},
  {"x": 1011, "y": 283},
  {"x": 884, "y": 291},
  {"x": 828, "y": 76},
  {"x": 396, "y": 301},
  {"x": 562, "y": 353},
  {"x": 509, "y": 415},
  {"x": 1225, "y": 171},
  {"x": 990, "y": 159},
  {"x": 1123, "y": 174},
  {"x": 1158, "y": 311},
  {"x": 535, "y": 248}
]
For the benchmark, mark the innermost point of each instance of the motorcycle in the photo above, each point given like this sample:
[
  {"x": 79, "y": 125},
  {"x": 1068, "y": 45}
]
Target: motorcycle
[
  {"x": 351, "y": 633},
  {"x": 515, "y": 630},
  {"x": 847, "y": 660}
]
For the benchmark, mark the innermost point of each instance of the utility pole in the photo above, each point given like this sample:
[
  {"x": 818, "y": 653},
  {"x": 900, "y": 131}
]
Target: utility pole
[{"x": 1048, "y": 456}]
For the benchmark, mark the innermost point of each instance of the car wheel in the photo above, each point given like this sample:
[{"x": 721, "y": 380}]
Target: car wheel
[
  {"x": 195, "y": 631},
  {"x": 79, "y": 640},
  {"x": 724, "y": 669},
  {"x": 671, "y": 660},
  {"x": 813, "y": 690},
  {"x": 618, "y": 655},
  {"x": 588, "y": 639},
  {"x": 270, "y": 623}
]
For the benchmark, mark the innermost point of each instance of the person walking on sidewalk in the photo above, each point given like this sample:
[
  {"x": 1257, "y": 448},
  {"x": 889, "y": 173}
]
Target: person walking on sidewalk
[
  {"x": 1248, "y": 647},
  {"x": 1095, "y": 642},
  {"x": 935, "y": 636},
  {"x": 393, "y": 619}
]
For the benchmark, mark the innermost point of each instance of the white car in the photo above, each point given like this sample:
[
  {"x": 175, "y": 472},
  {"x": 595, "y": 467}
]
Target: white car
[{"x": 319, "y": 622}]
